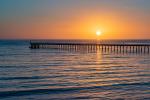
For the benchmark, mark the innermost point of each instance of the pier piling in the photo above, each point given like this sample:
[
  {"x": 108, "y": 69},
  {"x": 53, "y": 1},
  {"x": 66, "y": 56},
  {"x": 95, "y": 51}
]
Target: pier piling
[{"x": 107, "y": 47}]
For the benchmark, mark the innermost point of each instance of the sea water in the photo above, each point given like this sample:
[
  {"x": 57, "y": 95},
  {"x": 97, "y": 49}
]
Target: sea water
[{"x": 54, "y": 74}]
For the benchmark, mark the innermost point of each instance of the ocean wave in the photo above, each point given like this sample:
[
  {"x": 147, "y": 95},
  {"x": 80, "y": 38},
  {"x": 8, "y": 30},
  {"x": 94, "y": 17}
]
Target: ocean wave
[
  {"x": 26, "y": 78},
  {"x": 6, "y": 94}
]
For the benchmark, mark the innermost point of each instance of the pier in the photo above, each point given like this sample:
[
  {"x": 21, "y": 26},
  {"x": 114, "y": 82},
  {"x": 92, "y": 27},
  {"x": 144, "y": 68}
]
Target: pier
[{"x": 132, "y": 46}]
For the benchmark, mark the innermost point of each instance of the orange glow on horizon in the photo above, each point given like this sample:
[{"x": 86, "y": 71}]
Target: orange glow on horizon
[{"x": 83, "y": 28}]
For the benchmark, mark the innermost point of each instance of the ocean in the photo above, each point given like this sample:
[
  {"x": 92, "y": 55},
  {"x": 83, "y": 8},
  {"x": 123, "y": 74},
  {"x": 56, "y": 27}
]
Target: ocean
[{"x": 54, "y": 74}]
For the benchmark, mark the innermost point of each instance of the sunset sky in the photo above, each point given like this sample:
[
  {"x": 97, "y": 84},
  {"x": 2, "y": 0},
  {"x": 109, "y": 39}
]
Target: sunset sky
[{"x": 74, "y": 19}]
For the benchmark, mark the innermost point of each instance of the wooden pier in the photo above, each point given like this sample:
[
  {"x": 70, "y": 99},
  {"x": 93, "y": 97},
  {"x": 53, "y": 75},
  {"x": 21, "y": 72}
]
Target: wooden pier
[{"x": 122, "y": 46}]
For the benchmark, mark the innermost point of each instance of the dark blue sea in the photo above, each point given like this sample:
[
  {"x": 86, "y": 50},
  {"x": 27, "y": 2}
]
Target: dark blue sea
[{"x": 62, "y": 74}]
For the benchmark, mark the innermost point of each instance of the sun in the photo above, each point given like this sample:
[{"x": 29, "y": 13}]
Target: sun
[{"x": 98, "y": 32}]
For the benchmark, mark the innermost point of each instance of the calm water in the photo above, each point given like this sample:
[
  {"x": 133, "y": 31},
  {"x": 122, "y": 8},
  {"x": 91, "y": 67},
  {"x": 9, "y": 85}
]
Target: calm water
[{"x": 46, "y": 74}]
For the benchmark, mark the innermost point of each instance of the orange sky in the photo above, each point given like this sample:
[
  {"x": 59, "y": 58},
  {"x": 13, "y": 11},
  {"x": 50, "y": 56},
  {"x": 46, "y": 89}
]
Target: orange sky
[{"x": 79, "y": 21}]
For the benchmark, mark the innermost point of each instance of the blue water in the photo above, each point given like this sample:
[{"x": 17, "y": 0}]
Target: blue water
[{"x": 54, "y": 74}]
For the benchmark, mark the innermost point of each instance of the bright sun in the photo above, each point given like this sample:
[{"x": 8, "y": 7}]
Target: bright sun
[{"x": 98, "y": 32}]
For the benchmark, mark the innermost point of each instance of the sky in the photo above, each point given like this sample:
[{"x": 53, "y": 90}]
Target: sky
[{"x": 74, "y": 19}]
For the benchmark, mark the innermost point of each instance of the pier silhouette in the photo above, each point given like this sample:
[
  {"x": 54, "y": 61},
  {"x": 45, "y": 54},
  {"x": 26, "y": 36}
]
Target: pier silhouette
[{"x": 126, "y": 46}]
